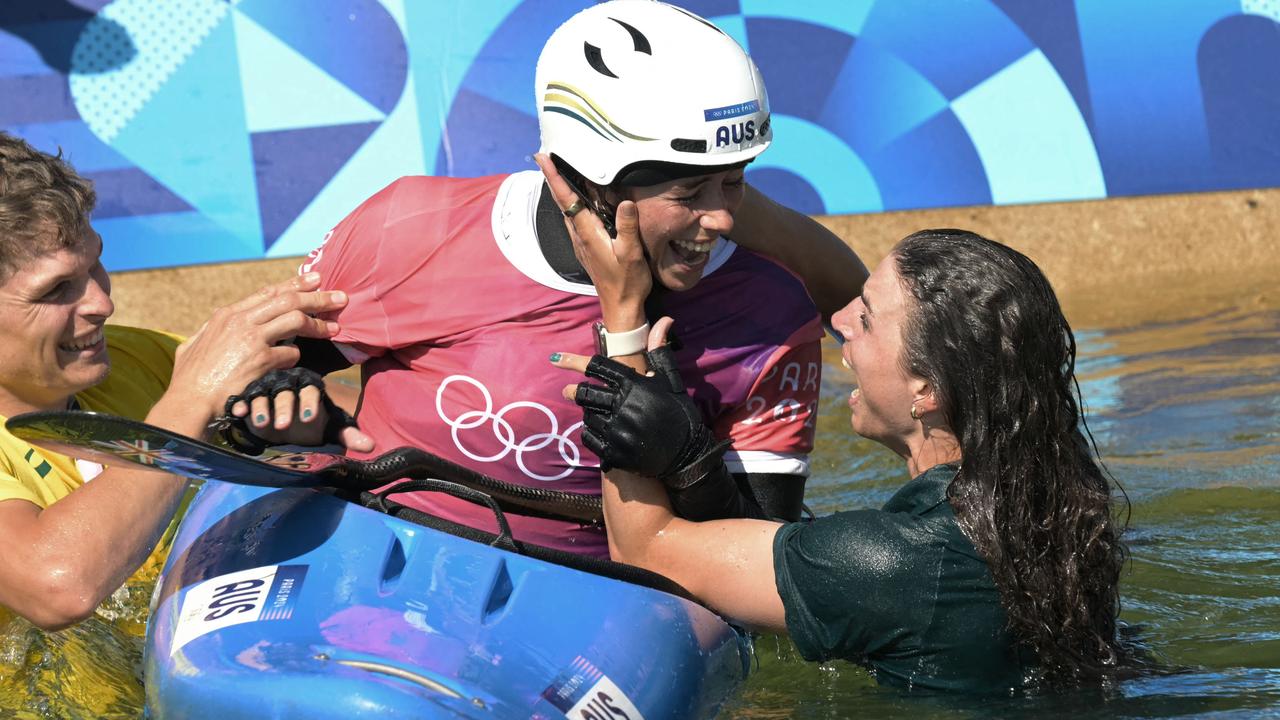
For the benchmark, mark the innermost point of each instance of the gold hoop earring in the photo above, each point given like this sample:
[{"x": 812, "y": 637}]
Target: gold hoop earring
[{"x": 915, "y": 413}]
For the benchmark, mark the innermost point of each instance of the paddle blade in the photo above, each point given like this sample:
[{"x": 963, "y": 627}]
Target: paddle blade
[{"x": 109, "y": 440}]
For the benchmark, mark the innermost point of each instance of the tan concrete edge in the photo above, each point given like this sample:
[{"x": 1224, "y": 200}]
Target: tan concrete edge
[
  {"x": 1122, "y": 261},
  {"x": 1115, "y": 262}
]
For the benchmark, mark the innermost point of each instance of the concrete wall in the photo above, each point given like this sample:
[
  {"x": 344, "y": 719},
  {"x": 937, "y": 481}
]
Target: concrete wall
[{"x": 1115, "y": 262}]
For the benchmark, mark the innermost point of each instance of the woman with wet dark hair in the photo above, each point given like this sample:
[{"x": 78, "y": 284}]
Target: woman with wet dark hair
[
  {"x": 998, "y": 562},
  {"x": 1030, "y": 495}
]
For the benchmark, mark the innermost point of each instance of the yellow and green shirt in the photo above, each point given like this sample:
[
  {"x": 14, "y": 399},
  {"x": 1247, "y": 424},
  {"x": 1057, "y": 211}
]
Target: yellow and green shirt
[{"x": 93, "y": 669}]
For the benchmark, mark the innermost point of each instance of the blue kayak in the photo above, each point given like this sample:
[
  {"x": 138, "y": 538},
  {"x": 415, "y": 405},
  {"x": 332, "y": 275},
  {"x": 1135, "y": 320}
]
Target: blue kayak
[{"x": 295, "y": 603}]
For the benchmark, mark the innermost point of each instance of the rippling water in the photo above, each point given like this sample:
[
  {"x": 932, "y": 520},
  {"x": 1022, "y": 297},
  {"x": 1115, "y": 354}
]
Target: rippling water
[
  {"x": 1187, "y": 417},
  {"x": 90, "y": 671}
]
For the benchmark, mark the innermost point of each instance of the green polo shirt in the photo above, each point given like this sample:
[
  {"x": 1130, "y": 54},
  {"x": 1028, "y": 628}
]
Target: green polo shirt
[{"x": 901, "y": 590}]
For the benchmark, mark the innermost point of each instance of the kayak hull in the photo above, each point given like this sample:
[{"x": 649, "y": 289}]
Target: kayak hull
[{"x": 296, "y": 604}]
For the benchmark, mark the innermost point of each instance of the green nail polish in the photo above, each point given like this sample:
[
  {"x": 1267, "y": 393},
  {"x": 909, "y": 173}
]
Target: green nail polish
[
  {"x": 306, "y": 414},
  {"x": 260, "y": 418},
  {"x": 555, "y": 357}
]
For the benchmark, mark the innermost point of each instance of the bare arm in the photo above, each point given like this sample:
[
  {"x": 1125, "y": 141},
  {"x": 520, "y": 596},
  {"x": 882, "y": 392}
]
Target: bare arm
[
  {"x": 61, "y": 562},
  {"x": 283, "y": 417},
  {"x": 832, "y": 272},
  {"x": 728, "y": 564}
]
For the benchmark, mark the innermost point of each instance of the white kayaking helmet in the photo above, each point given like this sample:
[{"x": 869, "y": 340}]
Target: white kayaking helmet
[{"x": 639, "y": 91}]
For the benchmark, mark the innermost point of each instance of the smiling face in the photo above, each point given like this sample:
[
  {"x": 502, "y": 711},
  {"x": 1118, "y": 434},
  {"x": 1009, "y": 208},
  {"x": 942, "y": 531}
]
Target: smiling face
[
  {"x": 872, "y": 327},
  {"x": 52, "y": 310},
  {"x": 680, "y": 221}
]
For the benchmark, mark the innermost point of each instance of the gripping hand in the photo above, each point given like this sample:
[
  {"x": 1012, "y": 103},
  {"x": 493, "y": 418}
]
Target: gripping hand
[
  {"x": 332, "y": 419},
  {"x": 645, "y": 424}
]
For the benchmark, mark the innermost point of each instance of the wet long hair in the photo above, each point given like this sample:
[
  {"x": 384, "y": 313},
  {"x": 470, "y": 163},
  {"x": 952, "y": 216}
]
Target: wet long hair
[{"x": 987, "y": 333}]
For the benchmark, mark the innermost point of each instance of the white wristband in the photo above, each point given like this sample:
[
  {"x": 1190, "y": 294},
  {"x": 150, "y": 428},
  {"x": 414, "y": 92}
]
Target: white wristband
[{"x": 622, "y": 343}]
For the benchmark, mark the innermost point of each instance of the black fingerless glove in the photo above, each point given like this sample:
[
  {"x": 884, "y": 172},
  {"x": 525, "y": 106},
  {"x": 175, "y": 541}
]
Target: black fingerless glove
[
  {"x": 645, "y": 424},
  {"x": 648, "y": 425},
  {"x": 237, "y": 434}
]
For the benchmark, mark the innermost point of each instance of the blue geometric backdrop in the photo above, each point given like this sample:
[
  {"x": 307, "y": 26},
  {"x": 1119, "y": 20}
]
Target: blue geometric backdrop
[{"x": 233, "y": 129}]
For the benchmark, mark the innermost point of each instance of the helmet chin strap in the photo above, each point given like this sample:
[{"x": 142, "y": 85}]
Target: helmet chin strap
[
  {"x": 557, "y": 248},
  {"x": 607, "y": 214},
  {"x": 606, "y": 218},
  {"x": 601, "y": 209}
]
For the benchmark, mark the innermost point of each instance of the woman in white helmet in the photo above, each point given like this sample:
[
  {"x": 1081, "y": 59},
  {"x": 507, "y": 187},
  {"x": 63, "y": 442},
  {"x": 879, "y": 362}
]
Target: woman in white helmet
[
  {"x": 634, "y": 95},
  {"x": 461, "y": 287}
]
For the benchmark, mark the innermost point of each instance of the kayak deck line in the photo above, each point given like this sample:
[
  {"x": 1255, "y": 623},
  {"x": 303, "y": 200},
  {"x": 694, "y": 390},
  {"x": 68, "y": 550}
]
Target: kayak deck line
[{"x": 401, "y": 673}]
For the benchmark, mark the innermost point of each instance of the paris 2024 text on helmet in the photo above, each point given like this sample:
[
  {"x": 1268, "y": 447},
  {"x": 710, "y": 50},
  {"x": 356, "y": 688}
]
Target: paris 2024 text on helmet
[{"x": 630, "y": 86}]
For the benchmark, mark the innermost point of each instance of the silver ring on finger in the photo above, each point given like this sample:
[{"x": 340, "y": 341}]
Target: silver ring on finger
[{"x": 574, "y": 209}]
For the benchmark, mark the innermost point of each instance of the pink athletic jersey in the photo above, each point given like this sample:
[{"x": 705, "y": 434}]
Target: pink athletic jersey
[{"x": 454, "y": 311}]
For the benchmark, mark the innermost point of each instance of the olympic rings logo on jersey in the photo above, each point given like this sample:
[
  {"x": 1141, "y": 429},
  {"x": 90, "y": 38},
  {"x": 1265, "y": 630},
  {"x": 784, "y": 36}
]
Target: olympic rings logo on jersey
[{"x": 504, "y": 433}]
